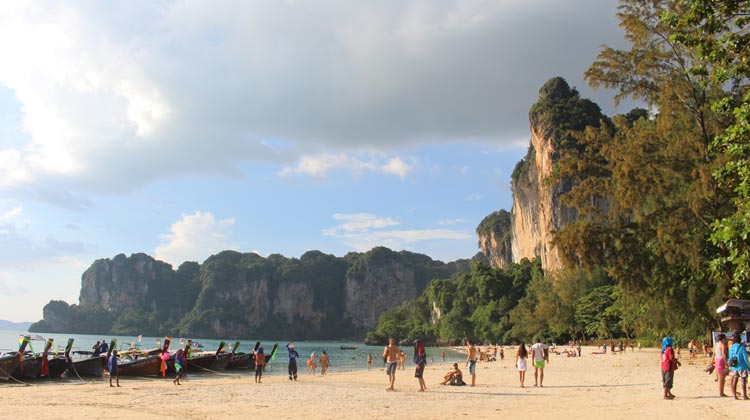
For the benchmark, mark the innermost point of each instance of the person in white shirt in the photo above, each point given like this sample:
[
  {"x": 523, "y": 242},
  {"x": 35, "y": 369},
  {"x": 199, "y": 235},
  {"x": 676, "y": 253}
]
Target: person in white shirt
[{"x": 539, "y": 355}]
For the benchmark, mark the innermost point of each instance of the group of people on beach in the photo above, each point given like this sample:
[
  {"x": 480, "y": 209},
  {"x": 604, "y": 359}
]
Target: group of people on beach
[{"x": 539, "y": 353}]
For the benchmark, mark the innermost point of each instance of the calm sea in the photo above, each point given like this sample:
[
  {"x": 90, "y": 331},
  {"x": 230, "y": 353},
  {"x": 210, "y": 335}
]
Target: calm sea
[{"x": 341, "y": 360}]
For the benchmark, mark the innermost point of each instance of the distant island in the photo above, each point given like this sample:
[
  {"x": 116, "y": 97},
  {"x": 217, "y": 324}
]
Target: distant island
[{"x": 9, "y": 325}]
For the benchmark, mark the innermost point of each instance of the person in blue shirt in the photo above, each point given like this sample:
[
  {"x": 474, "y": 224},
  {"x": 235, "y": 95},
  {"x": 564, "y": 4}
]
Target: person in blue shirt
[
  {"x": 179, "y": 365},
  {"x": 741, "y": 368},
  {"x": 104, "y": 347},
  {"x": 114, "y": 371},
  {"x": 293, "y": 356}
]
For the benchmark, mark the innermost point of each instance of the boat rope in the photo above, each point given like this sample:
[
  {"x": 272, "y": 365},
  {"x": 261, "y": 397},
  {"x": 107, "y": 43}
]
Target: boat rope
[
  {"x": 14, "y": 379},
  {"x": 73, "y": 367},
  {"x": 213, "y": 371}
]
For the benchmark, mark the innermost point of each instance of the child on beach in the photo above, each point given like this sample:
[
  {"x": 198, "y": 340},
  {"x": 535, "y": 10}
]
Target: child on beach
[{"x": 311, "y": 364}]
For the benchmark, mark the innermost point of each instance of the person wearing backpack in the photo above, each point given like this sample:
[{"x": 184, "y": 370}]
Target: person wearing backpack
[{"x": 739, "y": 365}]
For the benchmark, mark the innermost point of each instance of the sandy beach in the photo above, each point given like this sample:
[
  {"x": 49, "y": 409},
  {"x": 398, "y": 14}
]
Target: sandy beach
[{"x": 590, "y": 387}]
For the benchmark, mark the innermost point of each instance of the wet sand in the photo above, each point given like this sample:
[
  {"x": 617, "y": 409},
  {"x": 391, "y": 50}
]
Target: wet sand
[{"x": 591, "y": 387}]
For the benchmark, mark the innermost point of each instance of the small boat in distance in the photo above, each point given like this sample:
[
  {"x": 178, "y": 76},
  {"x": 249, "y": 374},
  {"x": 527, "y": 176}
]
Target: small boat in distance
[{"x": 348, "y": 347}]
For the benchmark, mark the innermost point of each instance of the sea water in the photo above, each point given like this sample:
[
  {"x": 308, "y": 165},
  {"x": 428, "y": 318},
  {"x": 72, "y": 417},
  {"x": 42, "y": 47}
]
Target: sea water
[{"x": 340, "y": 359}]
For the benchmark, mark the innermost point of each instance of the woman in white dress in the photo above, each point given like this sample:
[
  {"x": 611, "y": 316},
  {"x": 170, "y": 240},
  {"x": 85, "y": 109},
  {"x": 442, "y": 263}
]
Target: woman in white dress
[{"x": 521, "y": 356}]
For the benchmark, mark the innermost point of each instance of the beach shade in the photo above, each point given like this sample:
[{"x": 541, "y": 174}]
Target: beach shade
[{"x": 736, "y": 314}]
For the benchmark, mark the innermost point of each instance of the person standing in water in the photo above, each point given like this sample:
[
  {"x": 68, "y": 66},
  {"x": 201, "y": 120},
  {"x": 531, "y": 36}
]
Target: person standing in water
[
  {"x": 324, "y": 363},
  {"x": 369, "y": 361}
]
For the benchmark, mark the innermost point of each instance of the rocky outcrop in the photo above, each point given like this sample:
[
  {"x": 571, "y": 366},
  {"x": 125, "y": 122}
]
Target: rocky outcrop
[
  {"x": 495, "y": 236},
  {"x": 537, "y": 207},
  {"x": 232, "y": 294}
]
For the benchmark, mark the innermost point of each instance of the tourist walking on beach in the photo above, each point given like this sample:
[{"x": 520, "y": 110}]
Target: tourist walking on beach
[
  {"x": 260, "y": 362},
  {"x": 539, "y": 356},
  {"x": 471, "y": 361},
  {"x": 391, "y": 354},
  {"x": 114, "y": 370},
  {"x": 293, "y": 356},
  {"x": 521, "y": 356},
  {"x": 668, "y": 365},
  {"x": 738, "y": 364},
  {"x": 420, "y": 360},
  {"x": 721, "y": 354},
  {"x": 324, "y": 363},
  {"x": 179, "y": 366},
  {"x": 369, "y": 361}
]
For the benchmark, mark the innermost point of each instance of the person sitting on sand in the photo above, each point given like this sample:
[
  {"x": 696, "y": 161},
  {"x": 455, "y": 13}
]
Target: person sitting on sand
[{"x": 453, "y": 377}]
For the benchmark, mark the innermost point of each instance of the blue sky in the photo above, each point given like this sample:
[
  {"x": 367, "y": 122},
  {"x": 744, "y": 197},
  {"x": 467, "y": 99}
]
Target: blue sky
[{"x": 181, "y": 129}]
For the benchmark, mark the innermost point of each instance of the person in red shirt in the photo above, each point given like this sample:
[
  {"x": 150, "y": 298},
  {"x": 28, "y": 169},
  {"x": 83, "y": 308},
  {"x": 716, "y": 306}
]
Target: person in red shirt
[{"x": 668, "y": 365}]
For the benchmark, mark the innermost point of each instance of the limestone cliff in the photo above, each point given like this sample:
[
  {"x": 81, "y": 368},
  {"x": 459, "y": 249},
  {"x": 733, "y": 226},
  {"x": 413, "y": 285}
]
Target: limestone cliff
[
  {"x": 537, "y": 208},
  {"x": 495, "y": 236},
  {"x": 232, "y": 294}
]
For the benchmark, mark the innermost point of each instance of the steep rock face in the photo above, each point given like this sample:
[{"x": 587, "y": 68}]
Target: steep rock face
[
  {"x": 232, "y": 294},
  {"x": 374, "y": 289},
  {"x": 123, "y": 283},
  {"x": 494, "y": 238},
  {"x": 537, "y": 206}
]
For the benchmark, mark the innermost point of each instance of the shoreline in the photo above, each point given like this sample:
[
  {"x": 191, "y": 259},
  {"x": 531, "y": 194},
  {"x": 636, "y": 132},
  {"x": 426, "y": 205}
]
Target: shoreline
[{"x": 590, "y": 387}]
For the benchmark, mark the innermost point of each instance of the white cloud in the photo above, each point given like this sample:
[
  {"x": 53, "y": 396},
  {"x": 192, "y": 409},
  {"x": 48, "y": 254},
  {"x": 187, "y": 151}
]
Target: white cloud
[
  {"x": 451, "y": 221},
  {"x": 363, "y": 231},
  {"x": 358, "y": 223},
  {"x": 320, "y": 165},
  {"x": 195, "y": 237},
  {"x": 11, "y": 214},
  {"x": 171, "y": 87}
]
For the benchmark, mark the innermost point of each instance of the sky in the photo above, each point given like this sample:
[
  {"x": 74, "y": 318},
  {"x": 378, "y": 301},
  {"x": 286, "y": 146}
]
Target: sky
[{"x": 183, "y": 128}]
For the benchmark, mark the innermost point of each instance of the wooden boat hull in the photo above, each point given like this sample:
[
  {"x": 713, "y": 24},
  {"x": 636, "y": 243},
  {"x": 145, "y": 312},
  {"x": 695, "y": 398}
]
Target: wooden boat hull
[
  {"x": 93, "y": 366},
  {"x": 57, "y": 366},
  {"x": 8, "y": 365},
  {"x": 240, "y": 361},
  {"x": 209, "y": 362},
  {"x": 143, "y": 366},
  {"x": 30, "y": 368}
]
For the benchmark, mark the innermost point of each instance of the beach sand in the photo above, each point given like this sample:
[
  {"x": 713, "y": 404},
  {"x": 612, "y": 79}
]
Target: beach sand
[{"x": 591, "y": 387}]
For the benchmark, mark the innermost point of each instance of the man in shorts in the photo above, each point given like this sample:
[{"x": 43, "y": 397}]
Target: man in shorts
[
  {"x": 539, "y": 356},
  {"x": 391, "y": 355},
  {"x": 471, "y": 360}
]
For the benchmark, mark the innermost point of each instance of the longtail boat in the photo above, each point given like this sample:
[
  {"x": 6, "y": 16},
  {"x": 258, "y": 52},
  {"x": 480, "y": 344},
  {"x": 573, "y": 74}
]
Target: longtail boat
[
  {"x": 217, "y": 360},
  {"x": 57, "y": 365},
  {"x": 240, "y": 360},
  {"x": 10, "y": 362},
  {"x": 32, "y": 363},
  {"x": 93, "y": 365},
  {"x": 143, "y": 365}
]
